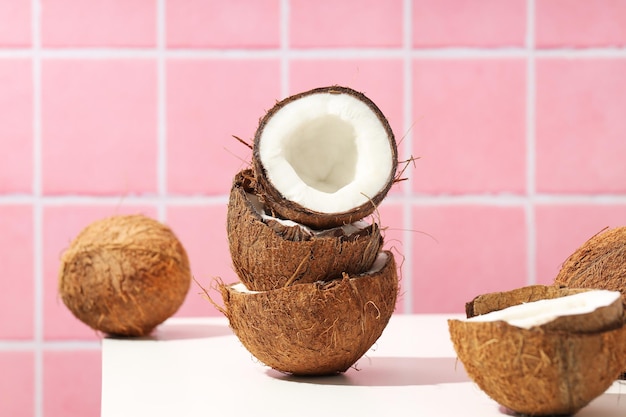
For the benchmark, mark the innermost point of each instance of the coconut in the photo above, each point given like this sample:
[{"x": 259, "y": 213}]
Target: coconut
[
  {"x": 319, "y": 328},
  {"x": 599, "y": 263},
  {"x": 324, "y": 157},
  {"x": 269, "y": 252},
  {"x": 124, "y": 275},
  {"x": 531, "y": 359}
]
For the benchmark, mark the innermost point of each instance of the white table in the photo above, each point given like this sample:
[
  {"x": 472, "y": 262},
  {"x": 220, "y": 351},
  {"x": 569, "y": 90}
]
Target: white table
[{"x": 197, "y": 367}]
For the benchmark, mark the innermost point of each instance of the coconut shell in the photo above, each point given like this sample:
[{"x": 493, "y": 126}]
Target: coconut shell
[
  {"x": 314, "y": 329},
  {"x": 603, "y": 318},
  {"x": 289, "y": 209},
  {"x": 599, "y": 263},
  {"x": 537, "y": 372},
  {"x": 544, "y": 370},
  {"x": 267, "y": 255},
  {"x": 124, "y": 275}
]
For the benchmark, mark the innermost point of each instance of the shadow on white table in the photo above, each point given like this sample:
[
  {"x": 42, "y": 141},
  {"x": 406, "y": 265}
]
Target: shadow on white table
[{"x": 197, "y": 367}]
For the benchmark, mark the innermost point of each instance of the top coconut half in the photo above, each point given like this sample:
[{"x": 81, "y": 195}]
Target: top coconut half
[{"x": 325, "y": 157}]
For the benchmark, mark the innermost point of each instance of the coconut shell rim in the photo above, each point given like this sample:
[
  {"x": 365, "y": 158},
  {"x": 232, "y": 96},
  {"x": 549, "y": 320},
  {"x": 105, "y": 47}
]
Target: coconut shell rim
[
  {"x": 238, "y": 186},
  {"x": 616, "y": 323},
  {"x": 295, "y": 211}
]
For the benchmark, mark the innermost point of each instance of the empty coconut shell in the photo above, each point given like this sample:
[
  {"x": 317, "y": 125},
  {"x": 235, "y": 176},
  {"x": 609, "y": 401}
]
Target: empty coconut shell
[
  {"x": 540, "y": 370},
  {"x": 124, "y": 275},
  {"x": 318, "y": 328},
  {"x": 269, "y": 253}
]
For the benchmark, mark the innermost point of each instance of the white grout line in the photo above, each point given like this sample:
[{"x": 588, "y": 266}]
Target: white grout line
[
  {"x": 284, "y": 48},
  {"x": 38, "y": 293},
  {"x": 407, "y": 146},
  {"x": 412, "y": 199},
  {"x": 531, "y": 88},
  {"x": 56, "y": 345},
  {"x": 314, "y": 53},
  {"x": 161, "y": 163}
]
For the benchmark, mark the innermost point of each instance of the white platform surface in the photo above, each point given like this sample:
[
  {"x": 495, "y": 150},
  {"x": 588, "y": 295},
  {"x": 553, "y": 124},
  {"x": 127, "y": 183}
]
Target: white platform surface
[{"x": 197, "y": 367}]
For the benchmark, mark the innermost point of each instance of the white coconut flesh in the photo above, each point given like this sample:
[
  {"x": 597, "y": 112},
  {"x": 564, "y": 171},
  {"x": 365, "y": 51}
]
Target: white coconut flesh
[
  {"x": 379, "y": 263},
  {"x": 347, "y": 229},
  {"x": 327, "y": 152},
  {"x": 540, "y": 312}
]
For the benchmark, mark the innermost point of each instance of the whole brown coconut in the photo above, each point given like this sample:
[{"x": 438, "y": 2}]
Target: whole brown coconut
[
  {"x": 268, "y": 253},
  {"x": 314, "y": 329},
  {"x": 552, "y": 369},
  {"x": 124, "y": 275},
  {"x": 599, "y": 263},
  {"x": 324, "y": 157}
]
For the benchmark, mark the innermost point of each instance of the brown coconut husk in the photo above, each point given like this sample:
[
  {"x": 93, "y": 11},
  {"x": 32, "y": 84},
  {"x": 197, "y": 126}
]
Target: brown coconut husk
[
  {"x": 603, "y": 318},
  {"x": 542, "y": 370},
  {"x": 291, "y": 210},
  {"x": 314, "y": 329},
  {"x": 124, "y": 275},
  {"x": 267, "y": 255},
  {"x": 599, "y": 263}
]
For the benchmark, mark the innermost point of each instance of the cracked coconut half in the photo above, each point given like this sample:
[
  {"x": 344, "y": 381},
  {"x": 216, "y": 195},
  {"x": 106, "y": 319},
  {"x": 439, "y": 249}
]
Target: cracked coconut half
[
  {"x": 269, "y": 252},
  {"x": 325, "y": 157},
  {"x": 542, "y": 350}
]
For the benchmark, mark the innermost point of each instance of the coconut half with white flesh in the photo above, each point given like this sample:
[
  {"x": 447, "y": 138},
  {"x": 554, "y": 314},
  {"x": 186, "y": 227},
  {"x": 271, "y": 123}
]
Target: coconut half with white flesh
[
  {"x": 319, "y": 328},
  {"x": 543, "y": 350},
  {"x": 269, "y": 252},
  {"x": 325, "y": 157}
]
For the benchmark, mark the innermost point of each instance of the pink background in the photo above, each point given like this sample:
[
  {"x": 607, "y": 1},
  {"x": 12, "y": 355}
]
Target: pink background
[{"x": 516, "y": 110}]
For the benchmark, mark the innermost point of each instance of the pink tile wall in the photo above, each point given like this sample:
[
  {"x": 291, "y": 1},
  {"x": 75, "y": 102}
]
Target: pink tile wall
[
  {"x": 15, "y": 30},
  {"x": 209, "y": 101},
  {"x": 17, "y": 300},
  {"x": 216, "y": 24},
  {"x": 349, "y": 23},
  {"x": 99, "y": 118},
  {"x": 98, "y": 23},
  {"x": 16, "y": 129},
  {"x": 469, "y": 125},
  {"x": 17, "y": 383},
  {"x": 476, "y": 23},
  {"x": 515, "y": 112}
]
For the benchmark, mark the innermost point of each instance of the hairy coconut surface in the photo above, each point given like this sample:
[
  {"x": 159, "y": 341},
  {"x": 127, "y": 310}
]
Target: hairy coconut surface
[
  {"x": 314, "y": 329},
  {"x": 541, "y": 370},
  {"x": 599, "y": 263},
  {"x": 538, "y": 372},
  {"x": 124, "y": 275},
  {"x": 325, "y": 157},
  {"x": 269, "y": 253}
]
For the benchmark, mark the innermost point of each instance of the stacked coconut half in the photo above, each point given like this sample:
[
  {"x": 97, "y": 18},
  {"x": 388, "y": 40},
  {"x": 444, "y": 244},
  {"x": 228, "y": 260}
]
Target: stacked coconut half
[{"x": 316, "y": 288}]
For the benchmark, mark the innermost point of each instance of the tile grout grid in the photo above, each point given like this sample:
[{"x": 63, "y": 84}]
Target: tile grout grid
[{"x": 529, "y": 200}]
